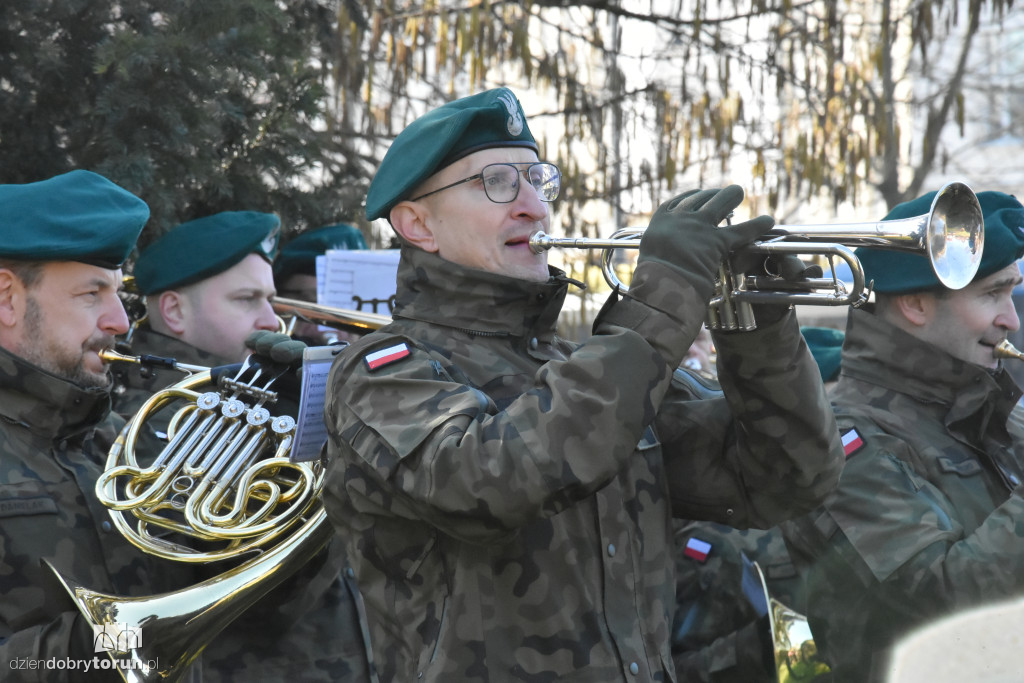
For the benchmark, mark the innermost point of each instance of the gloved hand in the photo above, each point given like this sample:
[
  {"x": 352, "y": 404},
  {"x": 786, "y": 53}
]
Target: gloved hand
[
  {"x": 276, "y": 347},
  {"x": 684, "y": 235},
  {"x": 278, "y": 355}
]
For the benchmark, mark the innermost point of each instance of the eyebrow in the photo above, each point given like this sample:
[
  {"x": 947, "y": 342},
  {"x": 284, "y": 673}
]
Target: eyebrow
[{"x": 1009, "y": 281}]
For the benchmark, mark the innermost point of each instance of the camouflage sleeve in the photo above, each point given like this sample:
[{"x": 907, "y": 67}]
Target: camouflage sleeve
[
  {"x": 479, "y": 471},
  {"x": 907, "y": 536},
  {"x": 769, "y": 449},
  {"x": 737, "y": 657}
]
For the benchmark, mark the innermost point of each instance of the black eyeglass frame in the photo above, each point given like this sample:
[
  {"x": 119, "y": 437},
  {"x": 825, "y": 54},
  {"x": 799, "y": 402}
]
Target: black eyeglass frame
[{"x": 519, "y": 182}]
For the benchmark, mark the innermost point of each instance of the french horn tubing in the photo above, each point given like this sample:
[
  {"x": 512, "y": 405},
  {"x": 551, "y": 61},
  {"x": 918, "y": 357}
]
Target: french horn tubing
[{"x": 951, "y": 235}]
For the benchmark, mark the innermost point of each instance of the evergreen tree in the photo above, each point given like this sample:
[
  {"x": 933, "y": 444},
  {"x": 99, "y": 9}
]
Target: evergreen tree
[{"x": 197, "y": 106}]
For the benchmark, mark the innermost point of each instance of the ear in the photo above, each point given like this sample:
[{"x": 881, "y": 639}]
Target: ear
[
  {"x": 918, "y": 308},
  {"x": 12, "y": 298},
  {"x": 410, "y": 221},
  {"x": 172, "y": 307}
]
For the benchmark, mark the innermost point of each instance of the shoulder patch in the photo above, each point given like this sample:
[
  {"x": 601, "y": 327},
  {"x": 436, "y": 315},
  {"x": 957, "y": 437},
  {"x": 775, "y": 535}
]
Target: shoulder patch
[
  {"x": 697, "y": 549},
  {"x": 379, "y": 359},
  {"x": 852, "y": 442}
]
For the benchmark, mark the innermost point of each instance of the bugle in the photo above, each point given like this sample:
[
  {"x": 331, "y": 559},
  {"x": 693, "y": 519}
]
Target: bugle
[{"x": 951, "y": 235}]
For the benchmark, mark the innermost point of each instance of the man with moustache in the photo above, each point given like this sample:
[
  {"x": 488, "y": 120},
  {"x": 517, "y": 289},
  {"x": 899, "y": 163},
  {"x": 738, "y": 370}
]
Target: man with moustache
[
  {"x": 62, "y": 243},
  {"x": 505, "y": 494},
  {"x": 926, "y": 519}
]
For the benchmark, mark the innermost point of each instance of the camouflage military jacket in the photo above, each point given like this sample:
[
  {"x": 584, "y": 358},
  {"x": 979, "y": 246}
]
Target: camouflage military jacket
[
  {"x": 54, "y": 438},
  {"x": 929, "y": 514},
  {"x": 506, "y": 494},
  {"x": 305, "y": 629}
]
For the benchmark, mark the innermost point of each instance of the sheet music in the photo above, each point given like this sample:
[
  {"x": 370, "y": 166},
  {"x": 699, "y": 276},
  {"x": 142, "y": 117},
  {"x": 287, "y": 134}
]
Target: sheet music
[
  {"x": 310, "y": 430},
  {"x": 360, "y": 280}
]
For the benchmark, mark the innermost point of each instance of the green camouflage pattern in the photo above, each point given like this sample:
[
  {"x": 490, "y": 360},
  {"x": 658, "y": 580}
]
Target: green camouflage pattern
[
  {"x": 928, "y": 517},
  {"x": 306, "y": 629},
  {"x": 505, "y": 494},
  {"x": 54, "y": 437},
  {"x": 720, "y": 633}
]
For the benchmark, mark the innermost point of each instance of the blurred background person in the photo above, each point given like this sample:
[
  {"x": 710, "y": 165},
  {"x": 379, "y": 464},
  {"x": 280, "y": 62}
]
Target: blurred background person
[
  {"x": 295, "y": 274},
  {"x": 924, "y": 521}
]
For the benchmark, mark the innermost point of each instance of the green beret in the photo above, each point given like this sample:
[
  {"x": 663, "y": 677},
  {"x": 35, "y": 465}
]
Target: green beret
[
  {"x": 77, "y": 216},
  {"x": 202, "y": 248},
  {"x": 443, "y": 136},
  {"x": 299, "y": 254},
  {"x": 897, "y": 272},
  {"x": 826, "y": 345}
]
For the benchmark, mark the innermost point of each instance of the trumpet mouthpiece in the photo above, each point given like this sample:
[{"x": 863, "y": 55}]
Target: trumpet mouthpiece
[
  {"x": 110, "y": 355},
  {"x": 1005, "y": 349}
]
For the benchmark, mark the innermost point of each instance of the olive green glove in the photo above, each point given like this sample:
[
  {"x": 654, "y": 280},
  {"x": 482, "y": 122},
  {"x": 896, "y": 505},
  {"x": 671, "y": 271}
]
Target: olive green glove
[{"x": 684, "y": 235}]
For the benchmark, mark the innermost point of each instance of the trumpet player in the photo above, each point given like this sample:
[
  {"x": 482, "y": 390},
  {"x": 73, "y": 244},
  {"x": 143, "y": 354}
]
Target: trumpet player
[
  {"x": 62, "y": 243},
  {"x": 926, "y": 518},
  {"x": 505, "y": 494}
]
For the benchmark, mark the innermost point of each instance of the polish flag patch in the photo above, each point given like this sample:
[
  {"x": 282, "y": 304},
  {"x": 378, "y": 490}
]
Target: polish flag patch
[
  {"x": 852, "y": 442},
  {"x": 697, "y": 549},
  {"x": 379, "y": 359}
]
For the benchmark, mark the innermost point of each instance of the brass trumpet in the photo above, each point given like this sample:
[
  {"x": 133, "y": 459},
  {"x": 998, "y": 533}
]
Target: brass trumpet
[{"x": 951, "y": 235}]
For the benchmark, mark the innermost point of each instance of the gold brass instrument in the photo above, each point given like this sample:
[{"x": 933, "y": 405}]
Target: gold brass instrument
[
  {"x": 1005, "y": 349},
  {"x": 951, "y": 235},
  {"x": 338, "y": 318},
  {"x": 793, "y": 648},
  {"x": 222, "y": 488}
]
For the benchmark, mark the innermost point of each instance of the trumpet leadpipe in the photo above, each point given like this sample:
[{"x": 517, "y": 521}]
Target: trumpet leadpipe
[{"x": 111, "y": 356}]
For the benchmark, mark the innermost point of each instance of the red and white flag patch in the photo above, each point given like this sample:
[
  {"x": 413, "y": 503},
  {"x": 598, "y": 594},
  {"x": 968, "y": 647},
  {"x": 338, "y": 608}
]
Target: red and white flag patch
[
  {"x": 852, "y": 442},
  {"x": 379, "y": 359},
  {"x": 697, "y": 549}
]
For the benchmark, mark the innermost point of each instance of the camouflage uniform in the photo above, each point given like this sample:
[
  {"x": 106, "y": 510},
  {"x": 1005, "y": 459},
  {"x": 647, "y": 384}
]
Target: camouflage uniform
[
  {"x": 928, "y": 517},
  {"x": 483, "y": 555},
  {"x": 54, "y": 437},
  {"x": 721, "y": 633},
  {"x": 305, "y": 629}
]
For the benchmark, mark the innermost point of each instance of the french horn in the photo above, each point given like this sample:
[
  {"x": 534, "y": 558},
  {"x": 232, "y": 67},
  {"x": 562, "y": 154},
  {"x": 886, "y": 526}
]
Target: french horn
[{"x": 223, "y": 488}]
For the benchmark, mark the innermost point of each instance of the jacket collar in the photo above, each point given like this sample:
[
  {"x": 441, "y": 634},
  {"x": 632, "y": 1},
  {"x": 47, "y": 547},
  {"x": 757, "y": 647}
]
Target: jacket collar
[
  {"x": 880, "y": 353},
  {"x": 431, "y": 289},
  {"x": 45, "y": 404}
]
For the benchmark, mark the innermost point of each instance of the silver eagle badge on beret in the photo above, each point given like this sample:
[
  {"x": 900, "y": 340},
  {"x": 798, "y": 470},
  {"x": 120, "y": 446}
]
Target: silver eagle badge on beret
[{"x": 515, "y": 119}]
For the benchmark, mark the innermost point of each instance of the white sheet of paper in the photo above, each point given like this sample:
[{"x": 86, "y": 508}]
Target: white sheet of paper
[
  {"x": 310, "y": 431},
  {"x": 354, "y": 275}
]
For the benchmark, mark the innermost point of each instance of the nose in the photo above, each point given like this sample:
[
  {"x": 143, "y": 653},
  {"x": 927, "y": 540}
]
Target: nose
[
  {"x": 267, "y": 319},
  {"x": 528, "y": 203},
  {"x": 1008, "y": 317},
  {"x": 114, "y": 319}
]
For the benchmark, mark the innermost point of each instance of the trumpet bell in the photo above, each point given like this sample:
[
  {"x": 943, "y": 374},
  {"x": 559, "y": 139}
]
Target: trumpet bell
[
  {"x": 955, "y": 235},
  {"x": 793, "y": 648}
]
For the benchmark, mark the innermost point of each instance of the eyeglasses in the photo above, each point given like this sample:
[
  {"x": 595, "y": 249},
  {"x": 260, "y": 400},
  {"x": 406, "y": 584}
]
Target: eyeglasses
[{"x": 501, "y": 181}]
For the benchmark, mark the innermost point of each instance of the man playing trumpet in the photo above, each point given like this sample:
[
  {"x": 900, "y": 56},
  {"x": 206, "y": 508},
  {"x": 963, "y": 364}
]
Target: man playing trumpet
[
  {"x": 506, "y": 494},
  {"x": 926, "y": 518}
]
